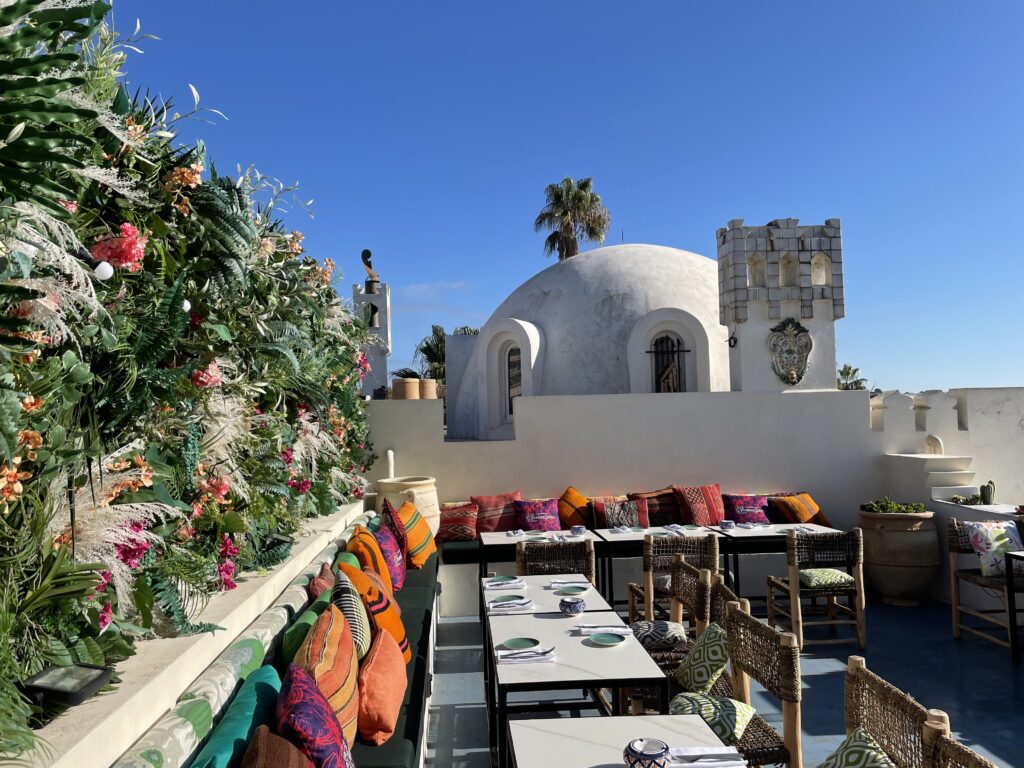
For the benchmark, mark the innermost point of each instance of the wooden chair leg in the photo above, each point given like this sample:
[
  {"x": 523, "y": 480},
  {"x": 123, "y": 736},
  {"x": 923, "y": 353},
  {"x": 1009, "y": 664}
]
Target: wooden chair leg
[
  {"x": 862, "y": 629},
  {"x": 954, "y": 591},
  {"x": 791, "y": 720},
  {"x": 795, "y": 612},
  {"x": 637, "y": 705},
  {"x": 770, "y": 600},
  {"x": 649, "y": 596}
]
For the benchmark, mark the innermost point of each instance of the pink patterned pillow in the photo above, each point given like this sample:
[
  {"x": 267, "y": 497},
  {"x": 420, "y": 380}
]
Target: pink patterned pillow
[
  {"x": 496, "y": 513},
  {"x": 394, "y": 555},
  {"x": 458, "y": 523},
  {"x": 389, "y": 519},
  {"x": 745, "y": 508},
  {"x": 538, "y": 515},
  {"x": 631, "y": 513}
]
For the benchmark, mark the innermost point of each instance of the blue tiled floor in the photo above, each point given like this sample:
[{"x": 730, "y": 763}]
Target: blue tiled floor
[{"x": 972, "y": 680}]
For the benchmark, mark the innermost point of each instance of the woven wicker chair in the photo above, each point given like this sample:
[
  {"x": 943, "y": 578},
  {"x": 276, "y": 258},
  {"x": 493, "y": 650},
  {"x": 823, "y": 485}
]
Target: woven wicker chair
[
  {"x": 772, "y": 658},
  {"x": 839, "y": 550},
  {"x": 912, "y": 736},
  {"x": 659, "y": 555},
  {"x": 554, "y": 557},
  {"x": 960, "y": 544}
]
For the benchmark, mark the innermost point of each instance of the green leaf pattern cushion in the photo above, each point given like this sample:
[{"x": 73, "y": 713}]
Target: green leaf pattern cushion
[
  {"x": 705, "y": 662},
  {"x": 858, "y": 750},
  {"x": 728, "y": 718},
  {"x": 820, "y": 578}
]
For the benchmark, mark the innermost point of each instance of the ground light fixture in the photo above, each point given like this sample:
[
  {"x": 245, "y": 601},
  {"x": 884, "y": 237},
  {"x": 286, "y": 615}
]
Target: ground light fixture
[{"x": 67, "y": 686}]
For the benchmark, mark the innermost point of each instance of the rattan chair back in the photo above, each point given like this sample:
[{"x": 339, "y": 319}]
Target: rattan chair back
[
  {"x": 835, "y": 549},
  {"x": 721, "y": 596},
  {"x": 554, "y": 557},
  {"x": 769, "y": 656},
  {"x": 691, "y": 589},
  {"x": 893, "y": 718},
  {"x": 947, "y": 752},
  {"x": 660, "y": 552}
]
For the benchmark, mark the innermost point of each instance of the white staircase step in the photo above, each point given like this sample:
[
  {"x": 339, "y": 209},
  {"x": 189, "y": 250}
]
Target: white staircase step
[
  {"x": 946, "y": 479},
  {"x": 934, "y": 462}
]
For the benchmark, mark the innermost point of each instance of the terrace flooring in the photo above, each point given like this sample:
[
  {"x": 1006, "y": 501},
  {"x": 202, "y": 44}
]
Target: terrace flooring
[{"x": 973, "y": 680}]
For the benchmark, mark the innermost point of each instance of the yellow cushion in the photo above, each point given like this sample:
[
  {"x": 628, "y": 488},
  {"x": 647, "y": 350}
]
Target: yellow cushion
[
  {"x": 572, "y": 508},
  {"x": 800, "y": 508},
  {"x": 421, "y": 540}
]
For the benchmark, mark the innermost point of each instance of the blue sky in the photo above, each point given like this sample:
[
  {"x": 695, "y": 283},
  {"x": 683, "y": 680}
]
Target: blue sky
[{"x": 427, "y": 132}]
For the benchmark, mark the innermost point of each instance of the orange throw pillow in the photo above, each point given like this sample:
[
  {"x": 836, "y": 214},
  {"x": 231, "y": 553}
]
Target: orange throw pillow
[
  {"x": 421, "y": 540},
  {"x": 364, "y": 546},
  {"x": 380, "y": 607},
  {"x": 329, "y": 656},
  {"x": 799, "y": 508},
  {"x": 382, "y": 684},
  {"x": 572, "y": 508}
]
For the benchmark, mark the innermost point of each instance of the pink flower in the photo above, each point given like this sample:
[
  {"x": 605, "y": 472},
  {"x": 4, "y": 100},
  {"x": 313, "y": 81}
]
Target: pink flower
[
  {"x": 286, "y": 456},
  {"x": 226, "y": 572},
  {"x": 209, "y": 377},
  {"x": 131, "y": 551},
  {"x": 105, "y": 579},
  {"x": 68, "y": 205},
  {"x": 217, "y": 486},
  {"x": 195, "y": 319},
  {"x": 302, "y": 486},
  {"x": 197, "y": 509},
  {"x": 127, "y": 250},
  {"x": 228, "y": 547},
  {"x": 357, "y": 492},
  {"x": 106, "y": 616}
]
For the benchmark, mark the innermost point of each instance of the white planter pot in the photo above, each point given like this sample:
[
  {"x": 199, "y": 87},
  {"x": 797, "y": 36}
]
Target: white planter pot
[{"x": 421, "y": 491}]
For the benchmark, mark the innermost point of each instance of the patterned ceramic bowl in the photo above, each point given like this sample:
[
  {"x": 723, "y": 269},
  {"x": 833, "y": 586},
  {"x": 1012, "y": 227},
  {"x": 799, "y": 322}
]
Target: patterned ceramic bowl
[
  {"x": 646, "y": 753},
  {"x": 572, "y": 606},
  {"x": 727, "y": 525},
  {"x": 578, "y": 530}
]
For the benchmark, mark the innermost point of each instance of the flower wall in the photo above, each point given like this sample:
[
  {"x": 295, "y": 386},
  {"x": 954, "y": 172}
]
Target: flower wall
[{"x": 177, "y": 376}]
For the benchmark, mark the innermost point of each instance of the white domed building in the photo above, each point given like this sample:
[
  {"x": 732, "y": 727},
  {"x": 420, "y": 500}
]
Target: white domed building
[{"x": 615, "y": 320}]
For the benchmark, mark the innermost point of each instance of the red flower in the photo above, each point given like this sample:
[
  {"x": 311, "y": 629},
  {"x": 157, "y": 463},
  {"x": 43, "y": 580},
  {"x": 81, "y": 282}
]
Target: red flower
[
  {"x": 106, "y": 616},
  {"x": 126, "y": 251},
  {"x": 209, "y": 377},
  {"x": 228, "y": 547}
]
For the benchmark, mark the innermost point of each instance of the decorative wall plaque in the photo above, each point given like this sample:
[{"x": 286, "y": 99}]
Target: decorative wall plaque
[{"x": 790, "y": 345}]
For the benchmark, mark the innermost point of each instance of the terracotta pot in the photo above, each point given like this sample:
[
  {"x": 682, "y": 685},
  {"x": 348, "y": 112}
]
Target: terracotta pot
[
  {"x": 901, "y": 555},
  {"x": 421, "y": 491},
  {"x": 405, "y": 389},
  {"x": 428, "y": 389}
]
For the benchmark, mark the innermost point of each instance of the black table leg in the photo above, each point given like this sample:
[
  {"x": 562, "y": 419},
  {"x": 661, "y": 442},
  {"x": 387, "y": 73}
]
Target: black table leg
[
  {"x": 664, "y": 696},
  {"x": 736, "y": 574},
  {"x": 502, "y": 729},
  {"x": 610, "y": 586},
  {"x": 1011, "y": 609}
]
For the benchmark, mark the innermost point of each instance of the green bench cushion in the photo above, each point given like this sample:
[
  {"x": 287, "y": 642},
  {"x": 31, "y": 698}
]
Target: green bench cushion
[
  {"x": 422, "y": 577},
  {"x": 252, "y": 707},
  {"x": 460, "y": 552}
]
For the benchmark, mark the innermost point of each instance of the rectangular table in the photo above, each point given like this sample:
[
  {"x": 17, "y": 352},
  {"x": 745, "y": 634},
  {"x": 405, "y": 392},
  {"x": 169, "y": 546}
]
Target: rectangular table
[
  {"x": 598, "y": 742},
  {"x": 631, "y": 544},
  {"x": 545, "y": 598},
  {"x": 762, "y": 540},
  {"x": 499, "y": 547},
  {"x": 580, "y": 664},
  {"x": 1011, "y": 604}
]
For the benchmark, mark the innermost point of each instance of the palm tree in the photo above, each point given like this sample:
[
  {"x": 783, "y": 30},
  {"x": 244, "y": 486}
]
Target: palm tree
[
  {"x": 430, "y": 351},
  {"x": 573, "y": 212},
  {"x": 849, "y": 378}
]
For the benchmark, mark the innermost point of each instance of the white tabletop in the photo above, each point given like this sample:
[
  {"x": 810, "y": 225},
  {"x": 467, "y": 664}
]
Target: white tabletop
[
  {"x": 578, "y": 659},
  {"x": 779, "y": 529},
  {"x": 598, "y": 742},
  {"x": 545, "y": 599},
  {"x": 609, "y": 535},
  {"x": 492, "y": 539}
]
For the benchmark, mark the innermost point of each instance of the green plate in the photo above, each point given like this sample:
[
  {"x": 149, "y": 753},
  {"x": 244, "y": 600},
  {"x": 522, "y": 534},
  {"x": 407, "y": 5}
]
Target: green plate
[
  {"x": 607, "y": 639},
  {"x": 536, "y": 538},
  {"x": 505, "y": 599},
  {"x": 637, "y": 529},
  {"x": 571, "y": 591},
  {"x": 691, "y": 527},
  {"x": 520, "y": 643},
  {"x": 501, "y": 579},
  {"x": 659, "y": 534}
]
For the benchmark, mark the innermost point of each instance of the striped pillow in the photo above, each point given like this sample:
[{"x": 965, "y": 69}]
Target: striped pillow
[
  {"x": 572, "y": 508},
  {"x": 322, "y": 582},
  {"x": 701, "y": 503},
  {"x": 458, "y": 523},
  {"x": 421, "y": 539},
  {"x": 799, "y": 508},
  {"x": 496, "y": 513},
  {"x": 346, "y": 597},
  {"x": 380, "y": 607},
  {"x": 329, "y": 657},
  {"x": 662, "y": 506},
  {"x": 364, "y": 546}
]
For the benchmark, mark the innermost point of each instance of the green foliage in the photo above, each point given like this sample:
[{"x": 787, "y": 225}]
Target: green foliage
[
  {"x": 572, "y": 212},
  {"x": 850, "y": 378},
  {"x": 886, "y": 505}
]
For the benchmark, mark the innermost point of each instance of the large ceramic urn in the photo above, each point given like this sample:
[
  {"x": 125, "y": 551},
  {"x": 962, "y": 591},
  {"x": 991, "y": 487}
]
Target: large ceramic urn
[
  {"x": 420, "y": 490},
  {"x": 901, "y": 554}
]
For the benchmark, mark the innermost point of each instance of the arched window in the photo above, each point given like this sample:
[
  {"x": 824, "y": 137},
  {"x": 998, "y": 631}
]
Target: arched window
[
  {"x": 669, "y": 369},
  {"x": 789, "y": 272},
  {"x": 756, "y": 277},
  {"x": 513, "y": 379},
  {"x": 821, "y": 269}
]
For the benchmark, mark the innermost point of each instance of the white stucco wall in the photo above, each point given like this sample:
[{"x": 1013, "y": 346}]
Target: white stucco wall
[{"x": 586, "y": 309}]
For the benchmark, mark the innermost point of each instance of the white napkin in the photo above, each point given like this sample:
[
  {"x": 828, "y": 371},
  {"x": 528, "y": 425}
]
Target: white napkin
[
  {"x": 621, "y": 529},
  {"x": 707, "y": 763},
  {"x": 565, "y": 537},
  {"x": 517, "y": 584},
  {"x": 706, "y": 757},
  {"x": 570, "y": 582},
  {"x": 516, "y": 607},
  {"x": 526, "y": 657},
  {"x": 597, "y": 629},
  {"x": 520, "y": 601},
  {"x": 515, "y": 533},
  {"x": 675, "y": 528}
]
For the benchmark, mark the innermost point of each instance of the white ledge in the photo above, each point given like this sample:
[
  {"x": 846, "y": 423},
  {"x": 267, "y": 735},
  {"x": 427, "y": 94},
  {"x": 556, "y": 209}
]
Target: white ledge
[{"x": 99, "y": 731}]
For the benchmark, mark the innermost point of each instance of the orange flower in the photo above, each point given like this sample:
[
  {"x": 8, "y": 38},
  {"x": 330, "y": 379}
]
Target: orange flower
[
  {"x": 10, "y": 483},
  {"x": 32, "y": 403},
  {"x": 32, "y": 440}
]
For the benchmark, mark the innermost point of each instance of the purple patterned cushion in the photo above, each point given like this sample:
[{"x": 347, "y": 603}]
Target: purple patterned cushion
[
  {"x": 390, "y": 519},
  {"x": 538, "y": 515},
  {"x": 306, "y": 719},
  {"x": 394, "y": 556},
  {"x": 745, "y": 508}
]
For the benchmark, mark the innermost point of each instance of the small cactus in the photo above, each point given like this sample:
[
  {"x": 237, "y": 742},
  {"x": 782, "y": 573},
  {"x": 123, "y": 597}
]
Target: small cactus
[{"x": 988, "y": 492}]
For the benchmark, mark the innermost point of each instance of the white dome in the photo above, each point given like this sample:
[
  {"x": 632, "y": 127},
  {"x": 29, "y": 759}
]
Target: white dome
[{"x": 585, "y": 310}]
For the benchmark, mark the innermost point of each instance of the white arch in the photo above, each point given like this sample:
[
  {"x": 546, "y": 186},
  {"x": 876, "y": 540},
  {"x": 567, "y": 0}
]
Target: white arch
[
  {"x": 696, "y": 363},
  {"x": 495, "y": 341},
  {"x": 789, "y": 271},
  {"x": 821, "y": 269}
]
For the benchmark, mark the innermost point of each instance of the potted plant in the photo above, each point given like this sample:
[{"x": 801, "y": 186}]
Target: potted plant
[{"x": 901, "y": 549}]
